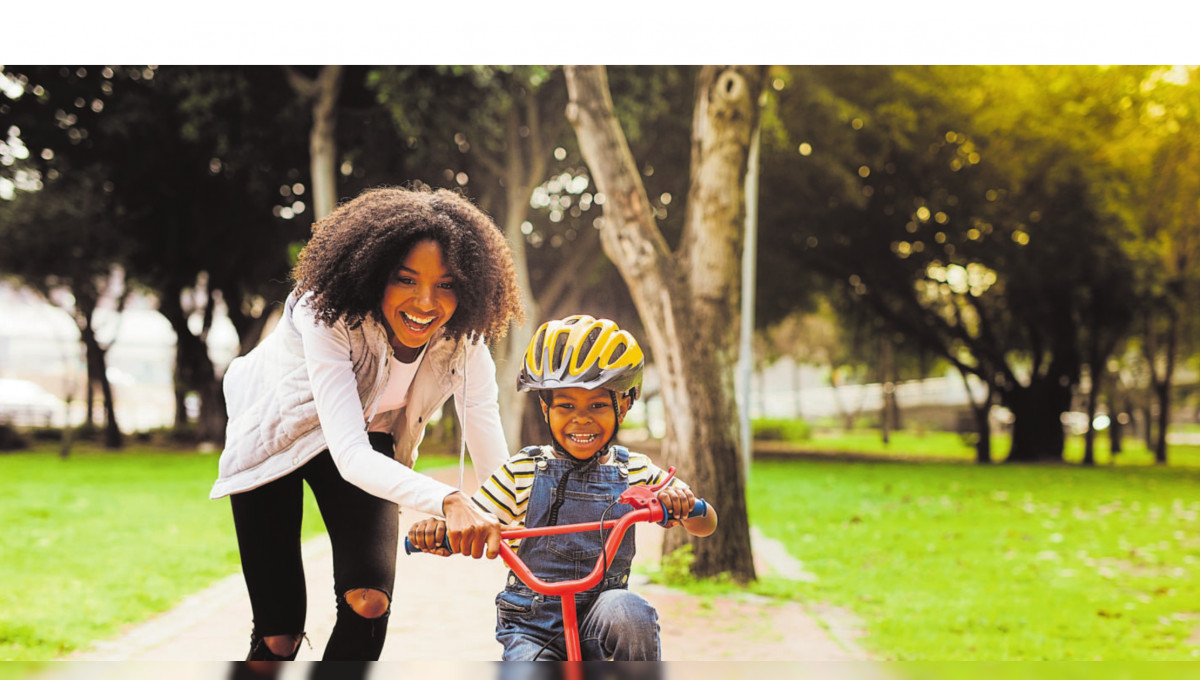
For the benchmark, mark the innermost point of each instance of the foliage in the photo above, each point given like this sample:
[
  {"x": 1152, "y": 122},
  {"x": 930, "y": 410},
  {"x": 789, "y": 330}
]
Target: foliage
[
  {"x": 11, "y": 439},
  {"x": 965, "y": 208},
  {"x": 1021, "y": 563},
  {"x": 781, "y": 429},
  {"x": 170, "y": 175},
  {"x": 675, "y": 568},
  {"x": 931, "y": 446},
  {"x": 103, "y": 540}
]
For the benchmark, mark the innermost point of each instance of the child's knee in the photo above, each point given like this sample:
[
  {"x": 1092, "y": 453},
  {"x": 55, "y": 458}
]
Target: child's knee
[
  {"x": 626, "y": 604},
  {"x": 368, "y": 603}
]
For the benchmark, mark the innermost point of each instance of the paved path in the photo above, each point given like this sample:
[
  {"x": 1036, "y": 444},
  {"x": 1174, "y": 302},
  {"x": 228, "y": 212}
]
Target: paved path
[{"x": 443, "y": 610}]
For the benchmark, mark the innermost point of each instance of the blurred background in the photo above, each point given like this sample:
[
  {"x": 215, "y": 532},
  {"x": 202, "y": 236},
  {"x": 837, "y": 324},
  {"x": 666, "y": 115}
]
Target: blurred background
[{"x": 940, "y": 248}]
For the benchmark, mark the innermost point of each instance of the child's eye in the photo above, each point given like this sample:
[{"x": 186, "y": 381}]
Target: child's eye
[{"x": 601, "y": 405}]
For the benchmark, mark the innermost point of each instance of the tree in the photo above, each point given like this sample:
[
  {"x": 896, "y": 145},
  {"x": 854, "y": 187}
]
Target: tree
[
  {"x": 60, "y": 241},
  {"x": 493, "y": 130},
  {"x": 61, "y": 226},
  {"x": 687, "y": 298},
  {"x": 192, "y": 161},
  {"x": 1159, "y": 156},
  {"x": 322, "y": 92},
  {"x": 973, "y": 229}
]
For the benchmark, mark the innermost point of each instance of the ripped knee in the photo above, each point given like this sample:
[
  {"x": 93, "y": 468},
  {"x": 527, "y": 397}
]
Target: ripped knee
[
  {"x": 282, "y": 645},
  {"x": 368, "y": 603}
]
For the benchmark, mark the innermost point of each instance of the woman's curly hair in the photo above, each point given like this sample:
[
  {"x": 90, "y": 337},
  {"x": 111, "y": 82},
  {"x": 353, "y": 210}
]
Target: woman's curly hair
[{"x": 357, "y": 247}]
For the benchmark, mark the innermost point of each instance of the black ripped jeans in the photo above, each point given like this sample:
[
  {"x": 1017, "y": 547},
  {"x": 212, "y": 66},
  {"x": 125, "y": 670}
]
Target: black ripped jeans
[{"x": 363, "y": 531}]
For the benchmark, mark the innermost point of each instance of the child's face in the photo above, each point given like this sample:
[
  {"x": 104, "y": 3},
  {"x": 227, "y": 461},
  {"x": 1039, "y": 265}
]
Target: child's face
[{"x": 582, "y": 420}]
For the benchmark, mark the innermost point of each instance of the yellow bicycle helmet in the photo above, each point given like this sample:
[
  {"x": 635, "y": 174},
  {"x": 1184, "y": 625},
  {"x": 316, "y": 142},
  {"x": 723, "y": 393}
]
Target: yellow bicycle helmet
[{"x": 585, "y": 352}]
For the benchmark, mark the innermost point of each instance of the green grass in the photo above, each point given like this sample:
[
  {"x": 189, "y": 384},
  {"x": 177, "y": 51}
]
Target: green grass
[
  {"x": 952, "y": 447},
  {"x": 965, "y": 562},
  {"x": 103, "y": 540}
]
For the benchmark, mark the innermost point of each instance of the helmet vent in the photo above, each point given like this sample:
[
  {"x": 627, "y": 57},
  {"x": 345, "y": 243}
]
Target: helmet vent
[
  {"x": 538, "y": 348},
  {"x": 560, "y": 347},
  {"x": 589, "y": 342}
]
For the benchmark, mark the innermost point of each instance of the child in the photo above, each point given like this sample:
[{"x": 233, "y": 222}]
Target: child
[{"x": 587, "y": 373}]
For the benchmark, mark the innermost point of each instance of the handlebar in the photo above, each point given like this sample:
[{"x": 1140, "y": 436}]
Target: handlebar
[{"x": 700, "y": 509}]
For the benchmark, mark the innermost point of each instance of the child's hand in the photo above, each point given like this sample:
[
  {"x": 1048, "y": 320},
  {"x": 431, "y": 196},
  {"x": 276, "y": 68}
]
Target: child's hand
[
  {"x": 428, "y": 535},
  {"x": 678, "y": 501}
]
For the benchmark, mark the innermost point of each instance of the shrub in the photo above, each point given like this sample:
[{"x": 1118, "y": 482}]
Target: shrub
[
  {"x": 781, "y": 429},
  {"x": 46, "y": 434},
  {"x": 11, "y": 439}
]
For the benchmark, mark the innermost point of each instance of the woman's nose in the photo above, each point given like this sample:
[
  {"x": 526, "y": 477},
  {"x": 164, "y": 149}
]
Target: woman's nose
[{"x": 425, "y": 297}]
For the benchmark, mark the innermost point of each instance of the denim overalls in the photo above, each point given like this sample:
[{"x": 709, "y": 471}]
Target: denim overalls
[{"x": 613, "y": 622}]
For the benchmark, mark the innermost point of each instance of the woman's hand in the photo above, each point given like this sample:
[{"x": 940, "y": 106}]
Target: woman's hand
[
  {"x": 677, "y": 501},
  {"x": 427, "y": 536},
  {"x": 471, "y": 531}
]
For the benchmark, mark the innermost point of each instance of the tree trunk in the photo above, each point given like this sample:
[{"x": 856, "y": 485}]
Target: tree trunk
[
  {"x": 889, "y": 389},
  {"x": 983, "y": 428},
  {"x": 1037, "y": 410},
  {"x": 249, "y": 327},
  {"x": 194, "y": 370},
  {"x": 1161, "y": 385},
  {"x": 323, "y": 92},
  {"x": 1163, "y": 393},
  {"x": 523, "y": 168},
  {"x": 322, "y": 144},
  {"x": 688, "y": 301},
  {"x": 1116, "y": 428},
  {"x": 981, "y": 412},
  {"x": 113, "y": 439},
  {"x": 1096, "y": 369}
]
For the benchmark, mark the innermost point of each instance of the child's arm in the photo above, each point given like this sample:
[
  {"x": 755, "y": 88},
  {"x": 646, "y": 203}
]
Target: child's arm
[
  {"x": 428, "y": 534},
  {"x": 679, "y": 501}
]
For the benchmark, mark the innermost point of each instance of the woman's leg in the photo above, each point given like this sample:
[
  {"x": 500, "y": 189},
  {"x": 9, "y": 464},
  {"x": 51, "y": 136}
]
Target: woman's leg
[
  {"x": 363, "y": 531},
  {"x": 267, "y": 521}
]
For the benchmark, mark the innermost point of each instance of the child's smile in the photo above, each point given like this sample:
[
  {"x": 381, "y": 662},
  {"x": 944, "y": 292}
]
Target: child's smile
[{"x": 582, "y": 420}]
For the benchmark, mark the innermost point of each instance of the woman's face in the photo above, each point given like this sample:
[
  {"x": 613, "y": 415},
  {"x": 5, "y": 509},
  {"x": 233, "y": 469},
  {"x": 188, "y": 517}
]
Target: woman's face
[{"x": 419, "y": 298}]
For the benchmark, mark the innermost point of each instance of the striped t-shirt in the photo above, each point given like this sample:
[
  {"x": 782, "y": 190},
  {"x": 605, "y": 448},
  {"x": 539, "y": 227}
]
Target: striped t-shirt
[{"x": 506, "y": 493}]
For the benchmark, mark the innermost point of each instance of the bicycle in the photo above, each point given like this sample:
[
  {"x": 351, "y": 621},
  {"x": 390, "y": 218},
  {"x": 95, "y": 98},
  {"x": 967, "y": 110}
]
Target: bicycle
[{"x": 644, "y": 500}]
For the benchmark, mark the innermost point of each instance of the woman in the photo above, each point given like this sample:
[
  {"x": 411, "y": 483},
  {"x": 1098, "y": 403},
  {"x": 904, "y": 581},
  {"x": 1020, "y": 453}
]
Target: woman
[{"x": 396, "y": 295}]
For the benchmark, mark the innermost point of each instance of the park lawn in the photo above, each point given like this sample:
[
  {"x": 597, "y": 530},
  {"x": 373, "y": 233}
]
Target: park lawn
[
  {"x": 949, "y": 446},
  {"x": 963, "y": 562},
  {"x": 103, "y": 540}
]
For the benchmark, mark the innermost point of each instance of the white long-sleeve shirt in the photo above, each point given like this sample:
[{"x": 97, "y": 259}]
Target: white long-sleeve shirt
[{"x": 310, "y": 387}]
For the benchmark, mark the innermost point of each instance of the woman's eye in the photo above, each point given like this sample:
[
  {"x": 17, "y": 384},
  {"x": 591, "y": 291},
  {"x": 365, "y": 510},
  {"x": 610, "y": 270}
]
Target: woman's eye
[{"x": 448, "y": 285}]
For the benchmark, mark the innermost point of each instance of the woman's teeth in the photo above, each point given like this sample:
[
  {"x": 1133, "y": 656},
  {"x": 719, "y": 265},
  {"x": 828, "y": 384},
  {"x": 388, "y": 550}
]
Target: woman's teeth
[{"x": 416, "y": 323}]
